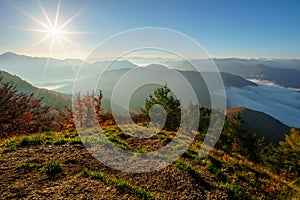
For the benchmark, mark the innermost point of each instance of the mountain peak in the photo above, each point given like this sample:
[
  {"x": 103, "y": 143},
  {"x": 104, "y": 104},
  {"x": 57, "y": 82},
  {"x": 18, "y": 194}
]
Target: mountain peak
[
  {"x": 9, "y": 54},
  {"x": 156, "y": 67}
]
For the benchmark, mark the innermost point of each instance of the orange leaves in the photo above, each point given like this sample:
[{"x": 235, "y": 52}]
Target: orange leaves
[
  {"x": 87, "y": 112},
  {"x": 20, "y": 113},
  {"x": 67, "y": 122}
]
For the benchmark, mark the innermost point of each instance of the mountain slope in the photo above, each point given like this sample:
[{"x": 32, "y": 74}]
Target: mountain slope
[
  {"x": 260, "y": 123},
  {"x": 53, "y": 73},
  {"x": 54, "y": 100}
]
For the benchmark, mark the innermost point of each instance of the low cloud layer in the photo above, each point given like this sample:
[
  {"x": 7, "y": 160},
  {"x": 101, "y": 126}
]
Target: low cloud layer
[{"x": 281, "y": 103}]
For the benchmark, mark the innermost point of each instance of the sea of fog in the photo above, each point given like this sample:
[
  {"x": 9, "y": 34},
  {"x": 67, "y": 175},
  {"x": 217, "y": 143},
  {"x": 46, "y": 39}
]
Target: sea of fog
[
  {"x": 277, "y": 101},
  {"x": 281, "y": 103}
]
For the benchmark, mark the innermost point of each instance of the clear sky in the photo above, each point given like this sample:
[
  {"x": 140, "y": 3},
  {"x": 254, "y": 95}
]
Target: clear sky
[{"x": 231, "y": 28}]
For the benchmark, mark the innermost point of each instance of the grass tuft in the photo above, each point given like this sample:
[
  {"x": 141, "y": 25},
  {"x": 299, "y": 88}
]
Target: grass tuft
[
  {"x": 75, "y": 140},
  {"x": 9, "y": 146},
  {"x": 52, "y": 168}
]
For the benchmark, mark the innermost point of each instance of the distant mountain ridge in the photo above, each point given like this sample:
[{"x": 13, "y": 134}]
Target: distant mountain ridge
[
  {"x": 283, "y": 77},
  {"x": 38, "y": 71},
  {"x": 50, "y": 72},
  {"x": 269, "y": 70}
]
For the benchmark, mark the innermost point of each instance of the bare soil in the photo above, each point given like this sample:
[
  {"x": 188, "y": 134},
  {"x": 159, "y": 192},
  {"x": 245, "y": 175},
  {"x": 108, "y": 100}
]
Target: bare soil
[{"x": 170, "y": 182}]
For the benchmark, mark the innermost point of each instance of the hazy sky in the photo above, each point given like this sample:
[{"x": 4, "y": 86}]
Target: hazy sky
[{"x": 231, "y": 28}]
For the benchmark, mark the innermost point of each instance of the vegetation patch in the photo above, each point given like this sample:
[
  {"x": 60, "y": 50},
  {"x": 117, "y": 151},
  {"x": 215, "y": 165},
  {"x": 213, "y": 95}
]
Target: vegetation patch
[
  {"x": 30, "y": 140},
  {"x": 75, "y": 140},
  {"x": 121, "y": 184},
  {"x": 52, "y": 168},
  {"x": 235, "y": 192},
  {"x": 9, "y": 146},
  {"x": 60, "y": 141},
  {"x": 186, "y": 167},
  {"x": 27, "y": 165}
]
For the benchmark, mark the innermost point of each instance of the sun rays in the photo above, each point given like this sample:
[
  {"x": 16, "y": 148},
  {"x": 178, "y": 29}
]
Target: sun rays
[
  {"x": 51, "y": 30},
  {"x": 54, "y": 29}
]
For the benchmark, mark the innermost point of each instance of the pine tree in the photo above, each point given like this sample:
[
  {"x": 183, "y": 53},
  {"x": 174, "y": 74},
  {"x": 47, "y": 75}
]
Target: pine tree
[
  {"x": 285, "y": 158},
  {"x": 171, "y": 105}
]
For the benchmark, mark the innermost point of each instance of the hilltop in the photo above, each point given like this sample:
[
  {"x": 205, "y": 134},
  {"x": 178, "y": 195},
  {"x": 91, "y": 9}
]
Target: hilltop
[{"x": 218, "y": 176}]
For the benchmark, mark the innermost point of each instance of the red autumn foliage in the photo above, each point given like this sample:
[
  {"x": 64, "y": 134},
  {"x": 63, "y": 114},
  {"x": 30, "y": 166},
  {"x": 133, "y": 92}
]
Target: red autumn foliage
[
  {"x": 20, "y": 113},
  {"x": 86, "y": 113}
]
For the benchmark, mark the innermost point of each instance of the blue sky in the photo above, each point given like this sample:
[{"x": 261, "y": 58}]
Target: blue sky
[{"x": 233, "y": 28}]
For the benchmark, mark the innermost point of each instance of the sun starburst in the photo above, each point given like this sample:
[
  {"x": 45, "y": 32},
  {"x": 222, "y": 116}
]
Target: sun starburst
[{"x": 53, "y": 29}]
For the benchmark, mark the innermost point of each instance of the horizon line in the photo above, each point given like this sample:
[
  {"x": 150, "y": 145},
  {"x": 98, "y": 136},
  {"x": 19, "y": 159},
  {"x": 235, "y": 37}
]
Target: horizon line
[{"x": 141, "y": 57}]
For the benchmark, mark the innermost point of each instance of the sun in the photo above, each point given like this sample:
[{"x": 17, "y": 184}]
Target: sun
[
  {"x": 54, "y": 29},
  {"x": 55, "y": 32}
]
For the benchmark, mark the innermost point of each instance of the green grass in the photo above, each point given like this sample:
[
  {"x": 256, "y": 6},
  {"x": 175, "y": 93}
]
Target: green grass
[
  {"x": 235, "y": 192},
  {"x": 121, "y": 184},
  {"x": 52, "y": 168},
  {"x": 27, "y": 166},
  {"x": 75, "y": 140},
  {"x": 60, "y": 141},
  {"x": 48, "y": 139},
  {"x": 24, "y": 141},
  {"x": 57, "y": 138},
  {"x": 30, "y": 140},
  {"x": 215, "y": 167},
  {"x": 187, "y": 167},
  {"x": 9, "y": 149},
  {"x": 191, "y": 154},
  {"x": 117, "y": 141},
  {"x": 9, "y": 146}
]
